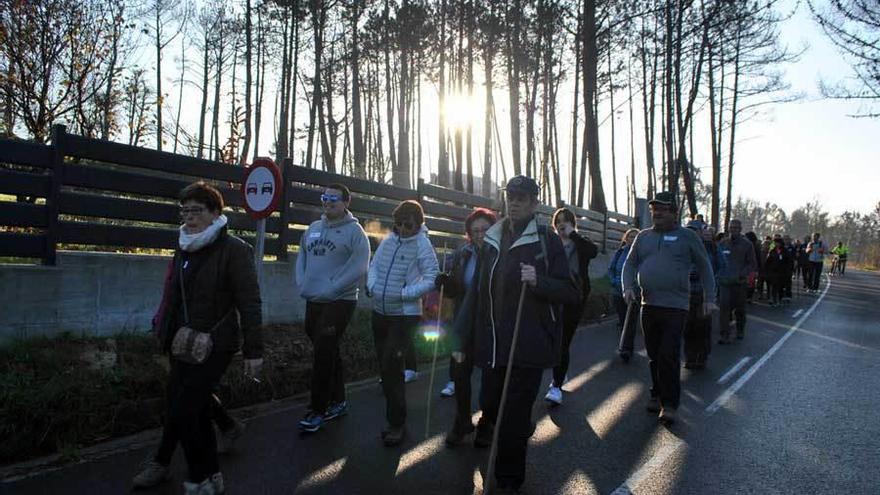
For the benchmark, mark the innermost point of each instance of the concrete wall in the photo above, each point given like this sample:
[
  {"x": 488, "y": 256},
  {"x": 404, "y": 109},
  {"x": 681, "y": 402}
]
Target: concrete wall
[{"x": 104, "y": 294}]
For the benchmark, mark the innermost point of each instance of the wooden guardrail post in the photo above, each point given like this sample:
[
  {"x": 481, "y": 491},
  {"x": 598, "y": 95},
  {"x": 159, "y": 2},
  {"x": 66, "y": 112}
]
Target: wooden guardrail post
[
  {"x": 284, "y": 229},
  {"x": 55, "y": 178}
]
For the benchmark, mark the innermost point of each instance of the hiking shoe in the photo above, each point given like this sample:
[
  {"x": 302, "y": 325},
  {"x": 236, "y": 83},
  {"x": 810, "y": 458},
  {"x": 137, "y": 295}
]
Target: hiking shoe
[
  {"x": 668, "y": 416},
  {"x": 554, "y": 396},
  {"x": 226, "y": 439},
  {"x": 483, "y": 438},
  {"x": 312, "y": 422},
  {"x": 152, "y": 473},
  {"x": 624, "y": 356},
  {"x": 653, "y": 405},
  {"x": 410, "y": 376},
  {"x": 393, "y": 435},
  {"x": 448, "y": 390},
  {"x": 336, "y": 410}
]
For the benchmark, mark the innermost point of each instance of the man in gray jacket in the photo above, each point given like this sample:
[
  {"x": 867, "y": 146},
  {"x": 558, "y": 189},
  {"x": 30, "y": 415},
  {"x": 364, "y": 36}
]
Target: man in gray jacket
[
  {"x": 738, "y": 262},
  {"x": 333, "y": 258},
  {"x": 659, "y": 262}
]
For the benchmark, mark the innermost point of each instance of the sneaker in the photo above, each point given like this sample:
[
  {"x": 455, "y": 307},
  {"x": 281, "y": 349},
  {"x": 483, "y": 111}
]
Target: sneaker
[
  {"x": 312, "y": 422},
  {"x": 410, "y": 376},
  {"x": 203, "y": 488},
  {"x": 393, "y": 435},
  {"x": 653, "y": 405},
  {"x": 151, "y": 474},
  {"x": 226, "y": 439},
  {"x": 483, "y": 438},
  {"x": 217, "y": 480},
  {"x": 668, "y": 416},
  {"x": 554, "y": 396},
  {"x": 336, "y": 410},
  {"x": 448, "y": 390}
]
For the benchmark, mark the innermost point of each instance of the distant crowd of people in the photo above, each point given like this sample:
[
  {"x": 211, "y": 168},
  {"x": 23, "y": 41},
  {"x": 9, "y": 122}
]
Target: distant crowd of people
[{"x": 516, "y": 284}]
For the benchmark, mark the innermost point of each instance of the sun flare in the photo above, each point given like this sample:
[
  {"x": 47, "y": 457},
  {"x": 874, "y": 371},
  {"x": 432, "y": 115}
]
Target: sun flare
[{"x": 462, "y": 110}]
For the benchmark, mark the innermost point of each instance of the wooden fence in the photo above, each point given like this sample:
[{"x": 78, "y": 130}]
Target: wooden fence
[{"x": 100, "y": 195}]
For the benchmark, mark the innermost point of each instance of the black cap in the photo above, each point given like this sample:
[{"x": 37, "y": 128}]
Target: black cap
[
  {"x": 522, "y": 184},
  {"x": 663, "y": 198}
]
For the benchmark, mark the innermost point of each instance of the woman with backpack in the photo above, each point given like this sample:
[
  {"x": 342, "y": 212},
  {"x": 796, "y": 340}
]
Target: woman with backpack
[{"x": 615, "y": 271}]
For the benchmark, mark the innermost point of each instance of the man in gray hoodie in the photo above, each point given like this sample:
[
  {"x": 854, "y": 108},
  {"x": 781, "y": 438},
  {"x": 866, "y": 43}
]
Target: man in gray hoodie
[
  {"x": 659, "y": 262},
  {"x": 333, "y": 258}
]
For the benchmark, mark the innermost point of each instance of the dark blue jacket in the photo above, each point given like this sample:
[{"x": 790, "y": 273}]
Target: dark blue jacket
[{"x": 488, "y": 313}]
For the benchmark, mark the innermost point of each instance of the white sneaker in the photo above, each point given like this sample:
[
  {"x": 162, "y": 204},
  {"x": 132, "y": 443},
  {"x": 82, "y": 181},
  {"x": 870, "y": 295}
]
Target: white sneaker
[
  {"x": 448, "y": 390},
  {"x": 554, "y": 395},
  {"x": 410, "y": 376},
  {"x": 216, "y": 480},
  {"x": 203, "y": 488}
]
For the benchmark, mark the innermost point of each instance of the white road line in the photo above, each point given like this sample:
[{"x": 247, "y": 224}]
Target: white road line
[
  {"x": 649, "y": 467},
  {"x": 727, "y": 394},
  {"x": 732, "y": 371},
  {"x": 797, "y": 313}
]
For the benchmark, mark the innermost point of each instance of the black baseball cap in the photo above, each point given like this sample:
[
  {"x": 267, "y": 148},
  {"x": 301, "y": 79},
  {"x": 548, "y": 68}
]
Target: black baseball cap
[
  {"x": 522, "y": 184},
  {"x": 663, "y": 198}
]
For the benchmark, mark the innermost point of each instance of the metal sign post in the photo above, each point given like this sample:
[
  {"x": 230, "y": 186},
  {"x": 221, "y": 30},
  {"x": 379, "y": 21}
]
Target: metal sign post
[{"x": 261, "y": 190}]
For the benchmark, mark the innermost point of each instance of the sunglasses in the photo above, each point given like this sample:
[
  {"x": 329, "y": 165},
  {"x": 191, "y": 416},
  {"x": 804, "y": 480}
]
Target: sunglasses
[
  {"x": 405, "y": 225},
  {"x": 330, "y": 198},
  {"x": 194, "y": 210}
]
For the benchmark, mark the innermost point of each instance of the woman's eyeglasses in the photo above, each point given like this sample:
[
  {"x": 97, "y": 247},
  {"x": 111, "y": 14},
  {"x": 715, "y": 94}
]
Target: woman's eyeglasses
[
  {"x": 191, "y": 210},
  {"x": 329, "y": 198}
]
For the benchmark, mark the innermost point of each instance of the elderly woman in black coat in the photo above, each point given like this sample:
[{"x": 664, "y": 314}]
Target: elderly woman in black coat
[{"x": 213, "y": 291}]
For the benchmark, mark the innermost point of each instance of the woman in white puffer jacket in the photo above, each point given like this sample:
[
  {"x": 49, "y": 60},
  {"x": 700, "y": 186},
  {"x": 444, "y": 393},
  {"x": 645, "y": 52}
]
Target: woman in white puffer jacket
[{"x": 401, "y": 272}]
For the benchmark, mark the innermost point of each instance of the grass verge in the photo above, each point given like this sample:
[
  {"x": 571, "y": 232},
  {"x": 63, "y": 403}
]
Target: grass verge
[{"x": 60, "y": 394}]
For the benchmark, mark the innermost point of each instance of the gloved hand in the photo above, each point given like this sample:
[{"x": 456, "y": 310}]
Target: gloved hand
[{"x": 442, "y": 279}]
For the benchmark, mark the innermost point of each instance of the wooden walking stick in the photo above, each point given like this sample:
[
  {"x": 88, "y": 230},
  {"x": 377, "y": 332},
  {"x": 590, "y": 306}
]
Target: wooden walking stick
[
  {"x": 434, "y": 360},
  {"x": 493, "y": 452}
]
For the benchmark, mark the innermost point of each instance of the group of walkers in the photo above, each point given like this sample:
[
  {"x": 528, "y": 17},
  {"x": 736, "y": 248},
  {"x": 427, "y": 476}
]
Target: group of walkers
[{"x": 666, "y": 277}]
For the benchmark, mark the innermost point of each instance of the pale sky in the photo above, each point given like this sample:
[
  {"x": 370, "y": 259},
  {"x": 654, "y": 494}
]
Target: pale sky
[{"x": 811, "y": 149}]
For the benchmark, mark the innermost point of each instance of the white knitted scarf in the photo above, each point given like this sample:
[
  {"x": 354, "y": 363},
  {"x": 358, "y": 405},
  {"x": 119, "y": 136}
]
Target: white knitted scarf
[{"x": 193, "y": 242}]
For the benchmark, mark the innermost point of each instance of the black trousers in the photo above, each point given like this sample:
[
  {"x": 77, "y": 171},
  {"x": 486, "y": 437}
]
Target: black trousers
[
  {"x": 571, "y": 317},
  {"x": 841, "y": 266},
  {"x": 697, "y": 333},
  {"x": 170, "y": 437},
  {"x": 628, "y": 334},
  {"x": 392, "y": 335},
  {"x": 190, "y": 406},
  {"x": 516, "y": 425},
  {"x": 461, "y": 376},
  {"x": 806, "y": 275},
  {"x": 732, "y": 298},
  {"x": 786, "y": 284},
  {"x": 662, "y": 328},
  {"x": 325, "y": 325},
  {"x": 815, "y": 274}
]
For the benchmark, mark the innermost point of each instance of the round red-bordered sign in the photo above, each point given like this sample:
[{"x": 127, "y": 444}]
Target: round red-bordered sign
[{"x": 261, "y": 188}]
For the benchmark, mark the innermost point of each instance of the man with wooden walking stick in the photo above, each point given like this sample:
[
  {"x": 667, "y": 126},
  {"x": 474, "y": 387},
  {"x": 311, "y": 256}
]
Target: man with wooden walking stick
[{"x": 520, "y": 264}]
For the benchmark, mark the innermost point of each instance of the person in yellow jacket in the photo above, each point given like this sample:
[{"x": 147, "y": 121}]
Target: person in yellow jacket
[{"x": 840, "y": 252}]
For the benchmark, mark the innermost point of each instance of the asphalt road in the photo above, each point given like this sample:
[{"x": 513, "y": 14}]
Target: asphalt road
[{"x": 799, "y": 415}]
